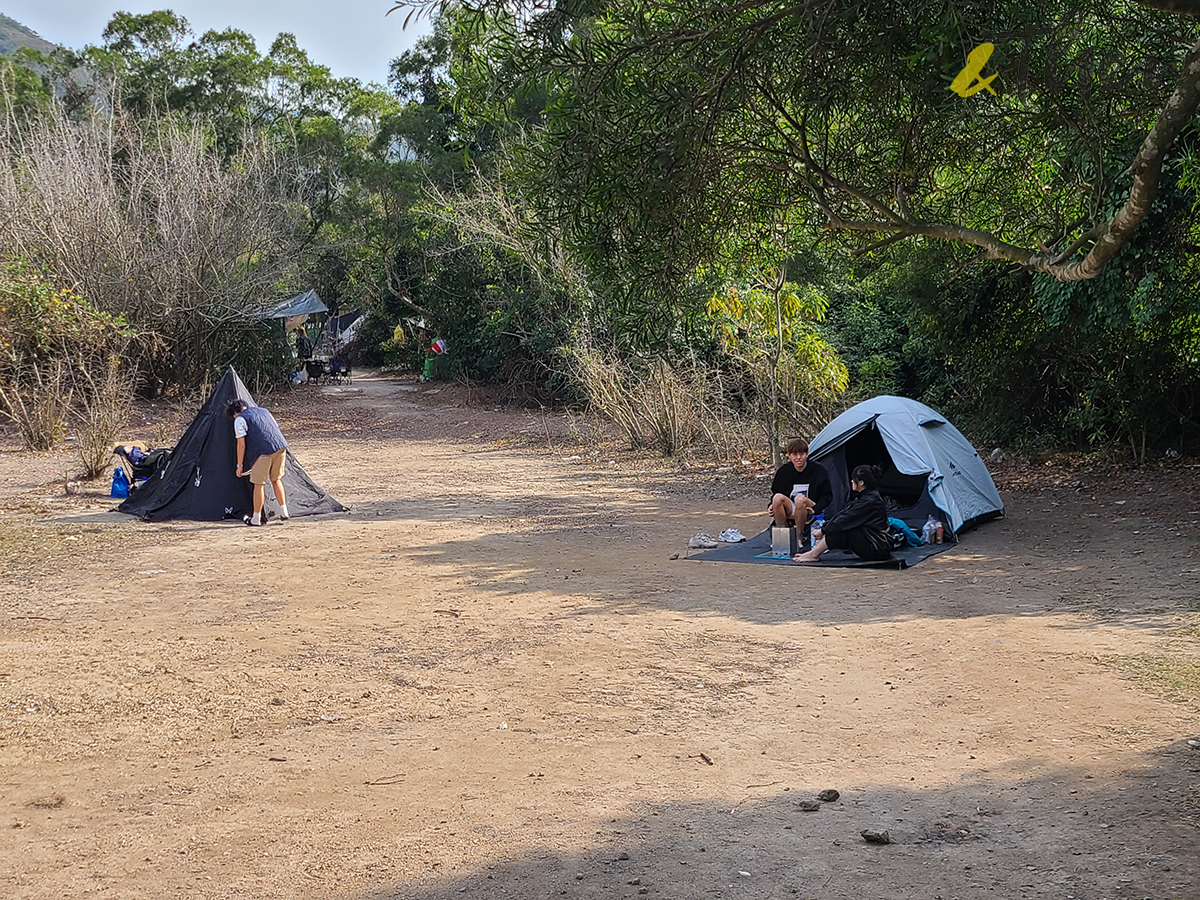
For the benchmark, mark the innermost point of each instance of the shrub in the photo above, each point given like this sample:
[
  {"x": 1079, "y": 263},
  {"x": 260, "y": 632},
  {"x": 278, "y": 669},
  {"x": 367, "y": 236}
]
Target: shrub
[{"x": 56, "y": 349}]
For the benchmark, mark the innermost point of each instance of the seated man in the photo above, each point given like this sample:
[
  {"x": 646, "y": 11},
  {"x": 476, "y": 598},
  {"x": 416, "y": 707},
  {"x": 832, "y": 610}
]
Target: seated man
[{"x": 800, "y": 489}]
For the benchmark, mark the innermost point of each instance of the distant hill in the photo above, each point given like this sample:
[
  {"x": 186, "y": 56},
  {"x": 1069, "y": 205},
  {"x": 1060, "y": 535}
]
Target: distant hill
[{"x": 14, "y": 35}]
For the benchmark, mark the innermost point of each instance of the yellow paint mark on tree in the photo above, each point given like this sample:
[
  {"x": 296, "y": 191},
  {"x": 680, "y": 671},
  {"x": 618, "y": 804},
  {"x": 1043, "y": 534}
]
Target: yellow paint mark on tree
[{"x": 969, "y": 80}]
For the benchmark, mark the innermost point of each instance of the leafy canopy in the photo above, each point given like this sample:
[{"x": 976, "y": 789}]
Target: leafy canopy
[{"x": 666, "y": 121}]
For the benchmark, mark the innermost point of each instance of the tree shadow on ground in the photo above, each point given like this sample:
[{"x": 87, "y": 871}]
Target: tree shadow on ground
[
  {"x": 1019, "y": 831},
  {"x": 622, "y": 562}
]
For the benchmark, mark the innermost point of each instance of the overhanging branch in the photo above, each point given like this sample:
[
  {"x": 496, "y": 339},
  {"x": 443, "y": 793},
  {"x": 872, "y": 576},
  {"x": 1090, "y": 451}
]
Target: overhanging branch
[
  {"x": 396, "y": 288},
  {"x": 1106, "y": 238}
]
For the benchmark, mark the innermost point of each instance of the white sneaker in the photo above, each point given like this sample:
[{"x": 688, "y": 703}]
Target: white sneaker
[
  {"x": 731, "y": 536},
  {"x": 702, "y": 541}
]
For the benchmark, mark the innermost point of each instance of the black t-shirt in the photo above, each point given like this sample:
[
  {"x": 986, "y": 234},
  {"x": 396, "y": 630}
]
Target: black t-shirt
[{"x": 820, "y": 491}]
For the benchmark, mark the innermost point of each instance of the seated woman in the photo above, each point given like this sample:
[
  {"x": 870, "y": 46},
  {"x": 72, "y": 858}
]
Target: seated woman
[{"x": 861, "y": 528}]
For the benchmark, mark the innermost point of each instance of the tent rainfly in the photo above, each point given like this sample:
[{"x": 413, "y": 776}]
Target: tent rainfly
[
  {"x": 305, "y": 304},
  {"x": 199, "y": 482},
  {"x": 928, "y": 467}
]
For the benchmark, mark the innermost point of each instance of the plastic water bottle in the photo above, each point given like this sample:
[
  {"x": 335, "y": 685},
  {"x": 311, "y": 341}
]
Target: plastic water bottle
[
  {"x": 929, "y": 531},
  {"x": 817, "y": 524}
]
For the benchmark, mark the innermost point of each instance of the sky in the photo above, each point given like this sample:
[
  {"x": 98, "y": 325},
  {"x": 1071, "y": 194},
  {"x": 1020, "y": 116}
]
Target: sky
[{"x": 352, "y": 37}]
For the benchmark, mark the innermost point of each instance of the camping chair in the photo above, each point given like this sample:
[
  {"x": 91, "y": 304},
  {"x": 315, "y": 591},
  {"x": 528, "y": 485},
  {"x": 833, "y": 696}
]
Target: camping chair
[
  {"x": 339, "y": 371},
  {"x": 316, "y": 370},
  {"x": 141, "y": 461}
]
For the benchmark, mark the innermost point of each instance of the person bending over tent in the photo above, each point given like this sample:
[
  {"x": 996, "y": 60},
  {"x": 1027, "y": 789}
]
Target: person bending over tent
[
  {"x": 861, "y": 528},
  {"x": 800, "y": 489},
  {"x": 259, "y": 438}
]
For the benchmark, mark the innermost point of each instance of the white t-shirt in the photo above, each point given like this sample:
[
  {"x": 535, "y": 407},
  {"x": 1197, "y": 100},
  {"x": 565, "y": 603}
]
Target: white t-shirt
[{"x": 240, "y": 428}]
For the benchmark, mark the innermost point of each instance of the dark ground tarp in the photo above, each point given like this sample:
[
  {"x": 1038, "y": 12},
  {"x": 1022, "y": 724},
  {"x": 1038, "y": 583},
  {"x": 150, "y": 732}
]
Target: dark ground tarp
[
  {"x": 748, "y": 550},
  {"x": 199, "y": 483}
]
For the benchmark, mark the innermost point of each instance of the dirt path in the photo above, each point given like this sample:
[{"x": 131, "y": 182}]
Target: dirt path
[{"x": 489, "y": 679}]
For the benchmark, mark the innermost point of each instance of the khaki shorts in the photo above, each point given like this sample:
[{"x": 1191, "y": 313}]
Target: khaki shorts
[{"x": 269, "y": 466}]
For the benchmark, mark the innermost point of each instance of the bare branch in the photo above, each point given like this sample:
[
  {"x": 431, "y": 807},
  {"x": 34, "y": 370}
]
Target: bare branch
[{"x": 395, "y": 286}]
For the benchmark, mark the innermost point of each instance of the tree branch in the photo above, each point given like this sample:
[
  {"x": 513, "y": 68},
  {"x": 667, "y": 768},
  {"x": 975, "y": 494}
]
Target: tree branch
[
  {"x": 1181, "y": 7},
  {"x": 1107, "y": 237},
  {"x": 396, "y": 289}
]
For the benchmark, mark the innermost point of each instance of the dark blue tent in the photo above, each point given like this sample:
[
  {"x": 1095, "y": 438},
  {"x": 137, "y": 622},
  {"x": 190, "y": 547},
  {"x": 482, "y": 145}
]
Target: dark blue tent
[{"x": 199, "y": 480}]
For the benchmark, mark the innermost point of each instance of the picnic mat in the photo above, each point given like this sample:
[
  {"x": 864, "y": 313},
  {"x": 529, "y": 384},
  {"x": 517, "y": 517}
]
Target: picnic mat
[{"x": 748, "y": 551}]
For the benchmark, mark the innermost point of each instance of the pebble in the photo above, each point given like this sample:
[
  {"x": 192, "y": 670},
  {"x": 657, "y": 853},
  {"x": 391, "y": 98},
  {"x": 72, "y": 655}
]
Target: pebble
[
  {"x": 828, "y": 795},
  {"x": 876, "y": 837},
  {"x": 808, "y": 805}
]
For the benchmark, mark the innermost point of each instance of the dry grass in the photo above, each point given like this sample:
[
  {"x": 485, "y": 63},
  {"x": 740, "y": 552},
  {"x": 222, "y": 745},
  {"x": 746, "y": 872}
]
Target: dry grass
[{"x": 1172, "y": 677}]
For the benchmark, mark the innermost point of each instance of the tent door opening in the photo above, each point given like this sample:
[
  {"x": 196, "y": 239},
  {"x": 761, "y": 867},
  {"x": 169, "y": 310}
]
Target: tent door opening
[
  {"x": 867, "y": 449},
  {"x": 907, "y": 495}
]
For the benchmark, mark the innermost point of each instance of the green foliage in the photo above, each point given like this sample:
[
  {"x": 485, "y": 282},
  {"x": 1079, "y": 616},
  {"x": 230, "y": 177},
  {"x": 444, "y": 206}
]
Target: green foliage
[
  {"x": 1027, "y": 361},
  {"x": 642, "y": 159},
  {"x": 40, "y": 322},
  {"x": 55, "y": 348},
  {"x": 775, "y": 335},
  {"x": 684, "y": 138},
  {"x": 161, "y": 65},
  {"x": 668, "y": 124},
  {"x": 501, "y": 323},
  {"x": 771, "y": 334},
  {"x": 26, "y": 93},
  {"x": 871, "y": 340}
]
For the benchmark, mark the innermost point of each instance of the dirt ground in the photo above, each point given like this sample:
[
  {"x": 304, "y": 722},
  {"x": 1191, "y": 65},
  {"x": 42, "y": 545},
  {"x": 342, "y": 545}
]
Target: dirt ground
[{"x": 490, "y": 679}]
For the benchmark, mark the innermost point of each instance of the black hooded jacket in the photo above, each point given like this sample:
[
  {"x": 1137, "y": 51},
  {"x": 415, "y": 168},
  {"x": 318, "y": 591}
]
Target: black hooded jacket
[{"x": 862, "y": 526}]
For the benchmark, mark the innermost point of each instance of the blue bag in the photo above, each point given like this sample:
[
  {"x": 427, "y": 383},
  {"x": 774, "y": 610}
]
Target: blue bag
[
  {"x": 120, "y": 485},
  {"x": 899, "y": 528}
]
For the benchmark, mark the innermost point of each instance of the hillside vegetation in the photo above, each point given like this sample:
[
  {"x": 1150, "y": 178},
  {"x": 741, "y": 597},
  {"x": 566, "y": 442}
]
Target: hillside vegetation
[{"x": 14, "y": 36}]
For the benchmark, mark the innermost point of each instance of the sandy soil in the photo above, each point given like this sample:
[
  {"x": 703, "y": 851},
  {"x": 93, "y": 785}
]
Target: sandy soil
[{"x": 490, "y": 679}]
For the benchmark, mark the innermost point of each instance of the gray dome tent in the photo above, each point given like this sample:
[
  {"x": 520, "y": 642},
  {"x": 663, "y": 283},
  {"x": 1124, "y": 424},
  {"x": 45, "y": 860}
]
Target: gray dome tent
[
  {"x": 928, "y": 467},
  {"x": 199, "y": 481}
]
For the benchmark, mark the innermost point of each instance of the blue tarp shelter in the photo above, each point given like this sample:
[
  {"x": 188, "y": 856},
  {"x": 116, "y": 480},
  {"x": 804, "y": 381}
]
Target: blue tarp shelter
[
  {"x": 928, "y": 467},
  {"x": 305, "y": 304}
]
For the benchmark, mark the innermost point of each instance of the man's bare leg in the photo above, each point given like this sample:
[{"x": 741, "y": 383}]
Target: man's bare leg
[
  {"x": 277, "y": 487},
  {"x": 260, "y": 494},
  {"x": 781, "y": 509}
]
